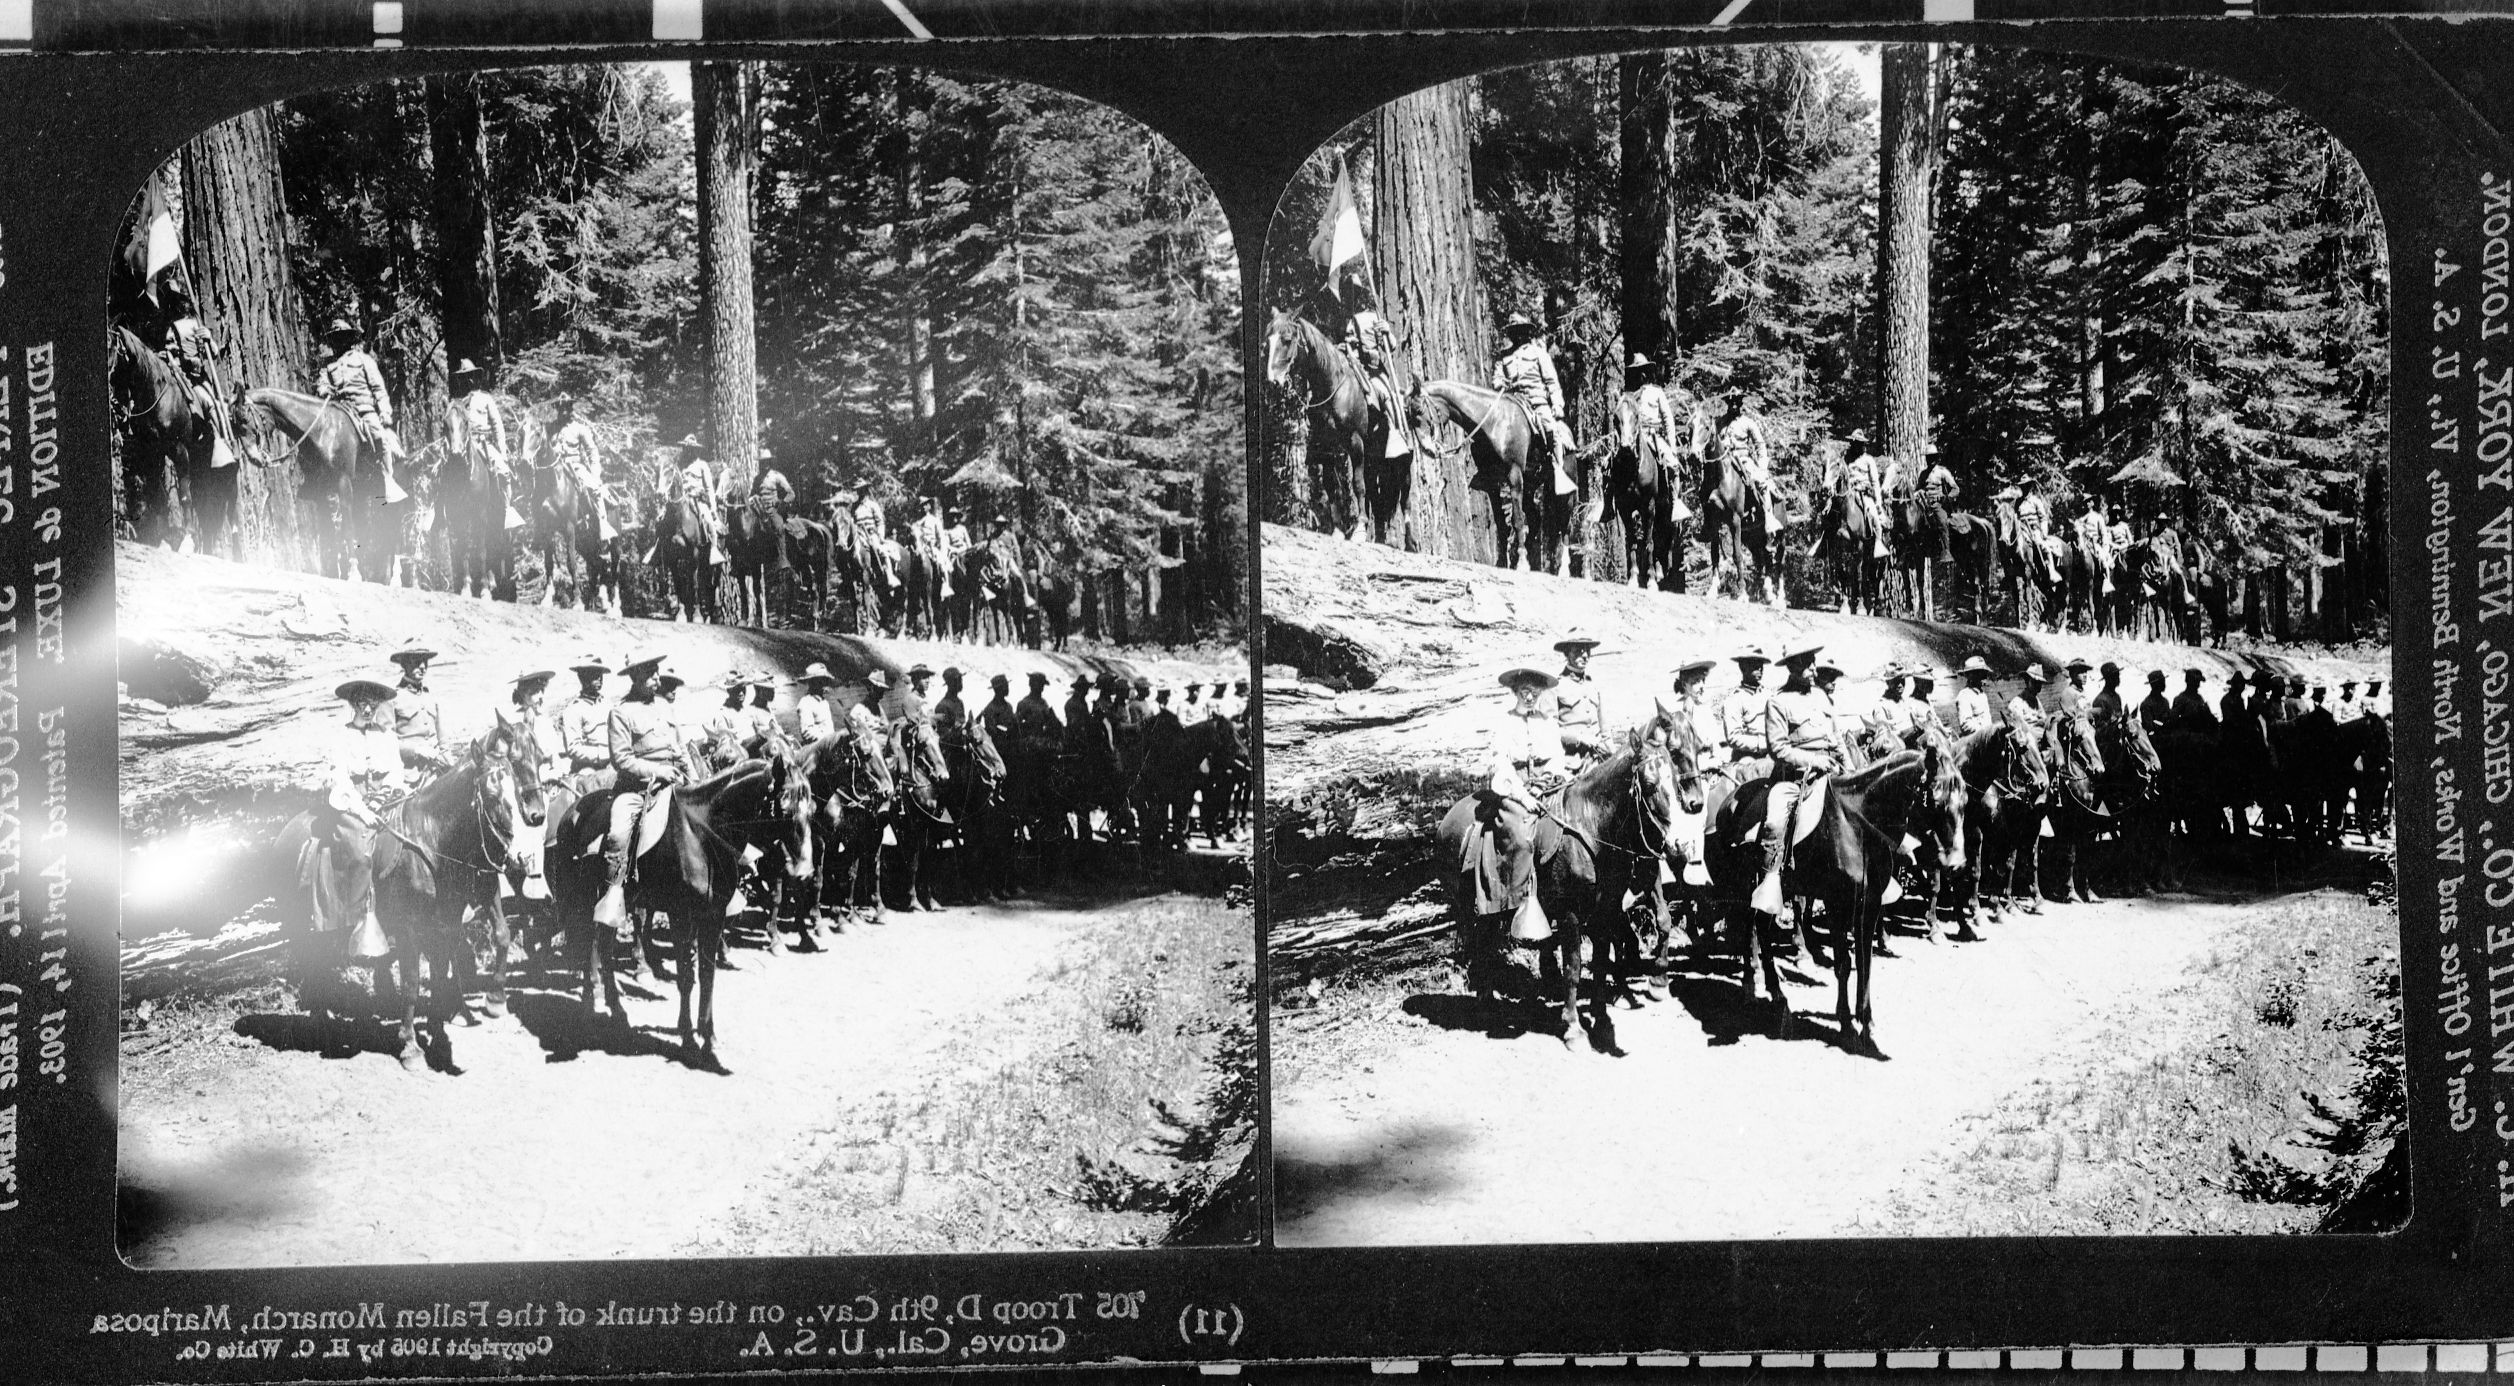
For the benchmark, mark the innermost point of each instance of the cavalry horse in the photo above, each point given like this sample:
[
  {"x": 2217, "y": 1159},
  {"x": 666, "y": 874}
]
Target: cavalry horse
[
  {"x": 568, "y": 536},
  {"x": 343, "y": 480},
  {"x": 1531, "y": 525},
  {"x": 1345, "y": 452},
  {"x": 1846, "y": 539},
  {"x": 1642, "y": 483},
  {"x": 2077, "y": 810},
  {"x": 924, "y": 575},
  {"x": 681, "y": 552},
  {"x": 1602, "y": 835},
  {"x": 170, "y": 473},
  {"x": 1845, "y": 861},
  {"x": 1737, "y": 524},
  {"x": 472, "y": 503},
  {"x": 2005, "y": 781},
  {"x": 851, "y": 781},
  {"x": 866, "y": 577},
  {"x": 2032, "y": 578},
  {"x": 1055, "y": 597},
  {"x": 762, "y": 548},
  {"x": 438, "y": 853},
  {"x": 921, "y": 817},
  {"x": 974, "y": 797},
  {"x": 2132, "y": 782},
  {"x": 690, "y": 874}
]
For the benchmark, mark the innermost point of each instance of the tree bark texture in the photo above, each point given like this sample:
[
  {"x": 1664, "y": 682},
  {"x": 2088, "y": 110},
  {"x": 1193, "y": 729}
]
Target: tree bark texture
[
  {"x": 722, "y": 109},
  {"x": 1906, "y": 165},
  {"x": 467, "y": 245},
  {"x": 1653, "y": 240},
  {"x": 1423, "y": 255},
  {"x": 235, "y": 250}
]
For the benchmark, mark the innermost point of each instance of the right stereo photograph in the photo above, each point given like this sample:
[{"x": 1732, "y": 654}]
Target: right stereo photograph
[{"x": 1828, "y": 658}]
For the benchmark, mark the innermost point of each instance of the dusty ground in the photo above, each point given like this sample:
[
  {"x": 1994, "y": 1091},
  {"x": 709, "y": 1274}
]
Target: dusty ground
[
  {"x": 242, "y": 1147},
  {"x": 1405, "y": 1114}
]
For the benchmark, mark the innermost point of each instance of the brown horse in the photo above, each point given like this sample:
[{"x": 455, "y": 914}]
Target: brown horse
[
  {"x": 851, "y": 781},
  {"x": 1301, "y": 360},
  {"x": 1642, "y": 483},
  {"x": 1602, "y": 835},
  {"x": 1845, "y": 862},
  {"x": 567, "y": 535},
  {"x": 1846, "y": 540},
  {"x": 2005, "y": 779},
  {"x": 343, "y": 479},
  {"x": 1530, "y": 523},
  {"x": 1738, "y": 525},
  {"x": 173, "y": 486}
]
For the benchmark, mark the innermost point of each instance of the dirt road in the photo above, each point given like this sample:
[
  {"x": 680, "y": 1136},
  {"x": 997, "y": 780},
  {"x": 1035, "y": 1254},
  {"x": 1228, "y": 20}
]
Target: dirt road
[
  {"x": 242, "y": 1147},
  {"x": 1407, "y": 1118}
]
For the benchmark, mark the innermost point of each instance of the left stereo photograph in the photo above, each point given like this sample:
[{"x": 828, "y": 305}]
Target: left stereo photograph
[{"x": 683, "y": 676}]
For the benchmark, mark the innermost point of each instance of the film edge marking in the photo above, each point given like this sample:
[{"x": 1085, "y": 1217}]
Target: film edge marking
[
  {"x": 17, "y": 22},
  {"x": 1399, "y": 1366},
  {"x": 1906, "y": 1361},
  {"x": 2279, "y": 1359},
  {"x": 2150, "y": 1359},
  {"x": 2095, "y": 1359},
  {"x": 2339, "y": 1359},
  {"x": 2400, "y": 1357},
  {"x": 1973, "y": 1361},
  {"x": 677, "y": 20},
  {"x": 2218, "y": 1359}
]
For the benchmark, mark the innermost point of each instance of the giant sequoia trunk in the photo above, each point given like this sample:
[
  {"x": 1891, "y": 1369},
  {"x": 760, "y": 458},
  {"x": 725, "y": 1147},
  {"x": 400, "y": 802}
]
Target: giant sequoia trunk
[
  {"x": 235, "y": 244},
  {"x": 1653, "y": 234},
  {"x": 722, "y": 108},
  {"x": 1907, "y": 163},
  {"x": 467, "y": 246},
  {"x": 1423, "y": 252}
]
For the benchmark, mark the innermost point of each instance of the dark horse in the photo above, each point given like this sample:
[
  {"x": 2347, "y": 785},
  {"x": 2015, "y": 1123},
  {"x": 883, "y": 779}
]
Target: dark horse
[
  {"x": 756, "y": 542},
  {"x": 1344, "y": 446},
  {"x": 1847, "y": 540},
  {"x": 1602, "y": 835},
  {"x": 681, "y": 551},
  {"x": 1738, "y": 525},
  {"x": 568, "y": 531},
  {"x": 2132, "y": 783},
  {"x": 472, "y": 502},
  {"x": 342, "y": 476},
  {"x": 2077, "y": 810},
  {"x": 851, "y": 781},
  {"x": 1845, "y": 861},
  {"x": 1530, "y": 523},
  {"x": 922, "y": 814},
  {"x": 2005, "y": 779},
  {"x": 974, "y": 795},
  {"x": 170, "y": 474},
  {"x": 1642, "y": 483},
  {"x": 439, "y": 852},
  {"x": 689, "y": 874},
  {"x": 867, "y": 576}
]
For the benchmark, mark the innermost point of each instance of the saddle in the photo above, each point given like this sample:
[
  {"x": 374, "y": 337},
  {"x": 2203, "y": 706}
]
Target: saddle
[{"x": 651, "y": 821}]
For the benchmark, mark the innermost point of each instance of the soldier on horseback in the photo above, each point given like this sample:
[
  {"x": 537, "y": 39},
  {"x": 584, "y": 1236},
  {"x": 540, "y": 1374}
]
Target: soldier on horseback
[
  {"x": 1798, "y": 725},
  {"x": 1577, "y": 710},
  {"x": 475, "y": 423},
  {"x": 1526, "y": 373},
  {"x": 1931, "y": 486},
  {"x": 865, "y": 719},
  {"x": 1523, "y": 764},
  {"x": 2155, "y": 712},
  {"x": 415, "y": 717},
  {"x": 726, "y": 735},
  {"x": 2095, "y": 538},
  {"x": 1741, "y": 441},
  {"x": 1855, "y": 471},
  {"x": 1647, "y": 423},
  {"x": 2108, "y": 706},
  {"x": 694, "y": 483},
  {"x": 1972, "y": 702},
  {"x": 2033, "y": 521},
  {"x": 195, "y": 351},
  {"x": 1890, "y": 721},
  {"x": 647, "y": 759},
  {"x": 584, "y": 728},
  {"x": 354, "y": 381},
  {"x": 2191, "y": 707},
  {"x": 1743, "y": 713},
  {"x": 573, "y": 447},
  {"x": 2025, "y": 709},
  {"x": 364, "y": 774}
]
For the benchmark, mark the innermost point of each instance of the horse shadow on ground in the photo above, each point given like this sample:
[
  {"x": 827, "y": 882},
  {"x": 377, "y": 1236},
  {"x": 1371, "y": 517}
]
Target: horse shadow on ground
[
  {"x": 1711, "y": 991},
  {"x": 566, "y": 1032},
  {"x": 1505, "y": 1017},
  {"x": 351, "y": 1036},
  {"x": 1412, "y": 1157}
]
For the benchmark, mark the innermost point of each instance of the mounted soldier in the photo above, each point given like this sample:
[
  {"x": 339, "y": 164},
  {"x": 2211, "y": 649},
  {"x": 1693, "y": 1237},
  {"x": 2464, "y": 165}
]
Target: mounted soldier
[
  {"x": 352, "y": 379},
  {"x": 2191, "y": 707},
  {"x": 815, "y": 719},
  {"x": 1524, "y": 762},
  {"x": 951, "y": 712},
  {"x": 364, "y": 773},
  {"x": 1578, "y": 712},
  {"x": 865, "y": 719},
  {"x": 1078, "y": 711},
  {"x": 195, "y": 351},
  {"x": 2094, "y": 533},
  {"x": 647, "y": 759},
  {"x": 574, "y": 448},
  {"x": 1741, "y": 441},
  {"x": 695, "y": 483},
  {"x": 1890, "y": 720},
  {"x": 726, "y": 735},
  {"x": 1036, "y": 731},
  {"x": 475, "y": 423},
  {"x": 2070, "y": 696},
  {"x": 1972, "y": 702},
  {"x": 1661, "y": 430},
  {"x": 2033, "y": 520},
  {"x": 2231, "y": 708},
  {"x": 1922, "y": 715},
  {"x": 2348, "y": 709},
  {"x": 1743, "y": 713},
  {"x": 2155, "y": 712},
  {"x": 772, "y": 501},
  {"x": 1929, "y": 485},
  {"x": 910, "y": 706},
  {"x": 1798, "y": 724},
  {"x": 2109, "y": 707},
  {"x": 1855, "y": 471},
  {"x": 416, "y": 719},
  {"x": 584, "y": 728},
  {"x": 2025, "y": 708},
  {"x": 956, "y": 538},
  {"x": 998, "y": 717},
  {"x": 1526, "y": 373}
]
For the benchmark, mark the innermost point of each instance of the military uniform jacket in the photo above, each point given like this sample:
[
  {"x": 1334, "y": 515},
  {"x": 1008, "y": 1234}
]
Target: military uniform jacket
[
  {"x": 416, "y": 722},
  {"x": 1527, "y": 375},
  {"x": 476, "y": 427},
  {"x": 1648, "y": 416},
  {"x": 910, "y": 707},
  {"x": 773, "y": 490},
  {"x": 1972, "y": 710},
  {"x": 365, "y": 768},
  {"x": 2231, "y": 707},
  {"x": 2192, "y": 710},
  {"x": 1856, "y": 474},
  {"x": 725, "y": 731},
  {"x": 354, "y": 381},
  {"x": 646, "y": 743},
  {"x": 573, "y": 448},
  {"x": 1742, "y": 723},
  {"x": 1524, "y": 757},
  {"x": 698, "y": 482},
  {"x": 1077, "y": 715},
  {"x": 585, "y": 733},
  {"x": 2022, "y": 712},
  {"x": 951, "y": 717},
  {"x": 1577, "y": 712},
  {"x": 2154, "y": 713},
  {"x": 2348, "y": 709},
  {"x": 1799, "y": 725},
  {"x": 2107, "y": 707},
  {"x": 999, "y": 720},
  {"x": 814, "y": 719},
  {"x": 927, "y": 533},
  {"x": 2034, "y": 513},
  {"x": 1036, "y": 722},
  {"x": 866, "y": 723}
]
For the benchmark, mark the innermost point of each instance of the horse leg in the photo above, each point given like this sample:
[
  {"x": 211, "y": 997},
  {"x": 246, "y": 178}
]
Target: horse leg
[
  {"x": 409, "y": 958},
  {"x": 1866, "y": 923},
  {"x": 1567, "y": 936},
  {"x": 689, "y": 953}
]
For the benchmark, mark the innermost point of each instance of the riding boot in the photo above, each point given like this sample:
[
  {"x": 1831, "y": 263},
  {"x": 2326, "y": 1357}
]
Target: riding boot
[
  {"x": 1767, "y": 897},
  {"x": 612, "y": 908}
]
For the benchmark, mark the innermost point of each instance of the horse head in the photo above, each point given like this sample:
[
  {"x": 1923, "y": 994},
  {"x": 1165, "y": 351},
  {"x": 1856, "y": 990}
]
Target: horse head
[
  {"x": 790, "y": 783},
  {"x": 1941, "y": 807},
  {"x": 1283, "y": 346},
  {"x": 509, "y": 798},
  {"x": 2024, "y": 764}
]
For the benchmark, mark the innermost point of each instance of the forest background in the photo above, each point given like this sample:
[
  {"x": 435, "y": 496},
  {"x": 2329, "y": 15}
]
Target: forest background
[
  {"x": 2140, "y": 283},
  {"x": 998, "y": 295}
]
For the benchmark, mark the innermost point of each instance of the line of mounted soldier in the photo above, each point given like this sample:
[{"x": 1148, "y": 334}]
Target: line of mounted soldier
[
  {"x": 613, "y": 811},
  {"x": 500, "y": 480},
  {"x": 1733, "y": 816},
  {"x": 1675, "y": 463}
]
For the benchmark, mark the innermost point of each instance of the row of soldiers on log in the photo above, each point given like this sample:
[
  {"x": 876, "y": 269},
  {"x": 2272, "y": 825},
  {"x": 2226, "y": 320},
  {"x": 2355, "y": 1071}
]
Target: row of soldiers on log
[
  {"x": 1733, "y": 816},
  {"x": 1676, "y": 462},
  {"x": 501, "y": 480},
  {"x": 618, "y": 810}
]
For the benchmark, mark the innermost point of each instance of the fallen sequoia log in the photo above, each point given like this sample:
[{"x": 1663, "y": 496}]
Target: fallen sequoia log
[
  {"x": 228, "y": 672},
  {"x": 1395, "y": 658}
]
